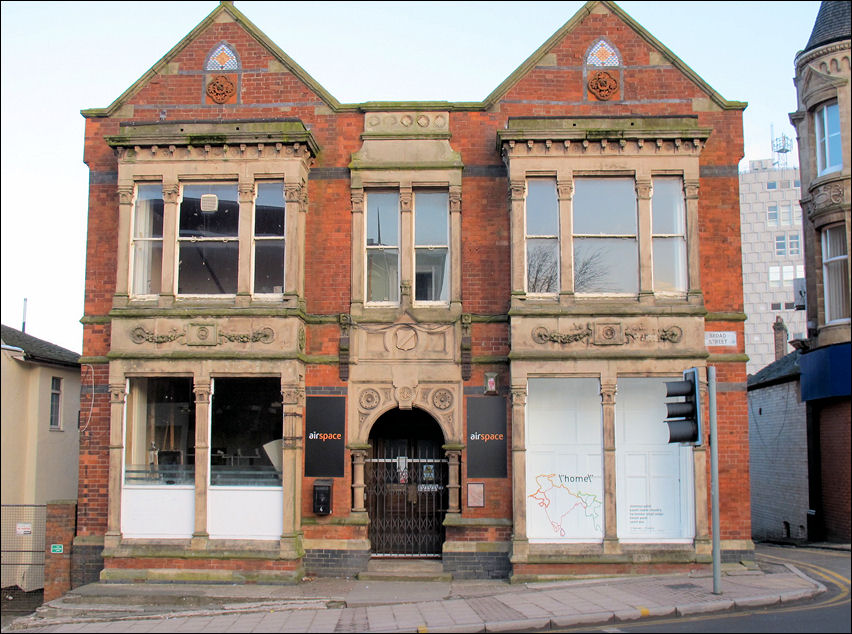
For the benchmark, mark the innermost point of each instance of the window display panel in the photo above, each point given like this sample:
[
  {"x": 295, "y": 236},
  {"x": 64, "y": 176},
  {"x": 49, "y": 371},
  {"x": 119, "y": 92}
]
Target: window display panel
[
  {"x": 160, "y": 442},
  {"x": 246, "y": 416},
  {"x": 654, "y": 486},
  {"x": 564, "y": 476}
]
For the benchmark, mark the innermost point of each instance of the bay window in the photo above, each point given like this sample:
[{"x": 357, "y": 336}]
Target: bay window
[
  {"x": 606, "y": 250},
  {"x": 828, "y": 149},
  {"x": 208, "y": 239},
  {"x": 835, "y": 267},
  {"x": 147, "y": 239},
  {"x": 542, "y": 236},
  {"x": 668, "y": 217}
]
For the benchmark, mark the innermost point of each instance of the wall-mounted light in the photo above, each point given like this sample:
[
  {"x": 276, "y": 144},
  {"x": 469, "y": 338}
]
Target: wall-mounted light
[{"x": 491, "y": 383}]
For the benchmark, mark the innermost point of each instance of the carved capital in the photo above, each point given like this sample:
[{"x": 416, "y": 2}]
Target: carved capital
[
  {"x": 357, "y": 198},
  {"x": 565, "y": 189},
  {"x": 171, "y": 192},
  {"x": 116, "y": 393},
  {"x": 690, "y": 188},
  {"x": 455, "y": 199},
  {"x": 517, "y": 190},
  {"x": 293, "y": 193},
  {"x": 519, "y": 396},
  {"x": 292, "y": 395},
  {"x": 608, "y": 391},
  {"x": 125, "y": 194},
  {"x": 246, "y": 191},
  {"x": 202, "y": 392},
  {"x": 405, "y": 199},
  {"x": 644, "y": 189}
]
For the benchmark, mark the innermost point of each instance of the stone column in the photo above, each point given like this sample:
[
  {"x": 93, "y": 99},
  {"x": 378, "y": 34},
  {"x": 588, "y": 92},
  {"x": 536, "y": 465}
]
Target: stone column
[
  {"x": 246, "y": 194},
  {"x": 295, "y": 200},
  {"x": 358, "y": 457},
  {"x": 520, "y": 541},
  {"x": 406, "y": 247},
  {"x": 453, "y": 480},
  {"x": 200, "y": 536},
  {"x": 690, "y": 189},
  {"x": 358, "y": 242},
  {"x": 291, "y": 468},
  {"x": 117, "y": 398},
  {"x": 455, "y": 246},
  {"x": 517, "y": 192},
  {"x": 565, "y": 191},
  {"x": 608, "y": 390},
  {"x": 125, "y": 213},
  {"x": 644, "y": 192},
  {"x": 168, "y": 280}
]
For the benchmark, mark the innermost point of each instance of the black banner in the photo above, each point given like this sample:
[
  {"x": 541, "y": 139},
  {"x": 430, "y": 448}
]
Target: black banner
[
  {"x": 325, "y": 433},
  {"x": 486, "y": 437}
]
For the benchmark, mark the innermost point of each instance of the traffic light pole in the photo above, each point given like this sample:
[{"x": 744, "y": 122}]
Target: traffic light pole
[{"x": 714, "y": 479}]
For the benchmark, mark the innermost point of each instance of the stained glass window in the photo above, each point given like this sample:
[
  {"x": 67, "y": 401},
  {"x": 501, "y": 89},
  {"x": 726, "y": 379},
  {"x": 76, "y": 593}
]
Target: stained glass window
[
  {"x": 223, "y": 58},
  {"x": 602, "y": 54}
]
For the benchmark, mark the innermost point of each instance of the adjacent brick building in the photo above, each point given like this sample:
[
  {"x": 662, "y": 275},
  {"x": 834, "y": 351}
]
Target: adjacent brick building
[{"x": 326, "y": 332}]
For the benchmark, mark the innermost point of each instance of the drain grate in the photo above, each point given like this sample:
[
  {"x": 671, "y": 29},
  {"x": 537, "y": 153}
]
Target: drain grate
[{"x": 682, "y": 586}]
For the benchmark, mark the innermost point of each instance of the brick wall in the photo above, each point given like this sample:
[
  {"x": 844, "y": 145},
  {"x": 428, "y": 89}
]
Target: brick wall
[
  {"x": 60, "y": 527},
  {"x": 834, "y": 417},
  {"x": 779, "y": 462}
]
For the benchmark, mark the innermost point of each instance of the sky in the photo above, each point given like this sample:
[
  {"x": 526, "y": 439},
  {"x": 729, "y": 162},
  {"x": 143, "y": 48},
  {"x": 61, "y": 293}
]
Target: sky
[{"x": 59, "y": 58}]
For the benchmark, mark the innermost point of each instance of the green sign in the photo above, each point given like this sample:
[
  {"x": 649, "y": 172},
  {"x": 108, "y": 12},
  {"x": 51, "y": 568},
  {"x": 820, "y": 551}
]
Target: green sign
[{"x": 57, "y": 548}]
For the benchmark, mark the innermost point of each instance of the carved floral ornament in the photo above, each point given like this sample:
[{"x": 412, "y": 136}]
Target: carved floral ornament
[
  {"x": 201, "y": 335},
  {"x": 603, "y": 85},
  {"x": 220, "y": 89},
  {"x": 607, "y": 334}
]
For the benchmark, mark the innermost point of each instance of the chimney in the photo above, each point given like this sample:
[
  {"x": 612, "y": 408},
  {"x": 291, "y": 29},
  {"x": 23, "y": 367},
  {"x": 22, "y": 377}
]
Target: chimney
[{"x": 780, "y": 337}]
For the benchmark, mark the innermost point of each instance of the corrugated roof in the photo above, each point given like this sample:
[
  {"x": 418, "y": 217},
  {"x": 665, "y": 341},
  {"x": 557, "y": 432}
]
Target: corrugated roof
[
  {"x": 784, "y": 369},
  {"x": 832, "y": 24},
  {"x": 36, "y": 349}
]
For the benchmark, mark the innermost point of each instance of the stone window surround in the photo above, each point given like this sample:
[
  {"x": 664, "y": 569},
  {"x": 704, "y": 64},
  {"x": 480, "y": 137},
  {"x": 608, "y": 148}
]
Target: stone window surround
[
  {"x": 608, "y": 374},
  {"x": 406, "y": 182},
  {"x": 173, "y": 177},
  {"x": 565, "y": 170},
  {"x": 291, "y": 374}
]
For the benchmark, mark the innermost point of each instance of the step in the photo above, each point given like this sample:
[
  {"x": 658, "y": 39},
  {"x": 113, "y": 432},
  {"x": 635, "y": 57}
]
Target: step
[{"x": 403, "y": 569}]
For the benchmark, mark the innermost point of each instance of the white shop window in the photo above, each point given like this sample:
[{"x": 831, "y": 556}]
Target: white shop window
[
  {"x": 654, "y": 480},
  {"x": 564, "y": 460}
]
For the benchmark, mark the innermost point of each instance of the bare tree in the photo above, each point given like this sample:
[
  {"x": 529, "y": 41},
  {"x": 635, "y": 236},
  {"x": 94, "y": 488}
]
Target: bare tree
[
  {"x": 590, "y": 269},
  {"x": 542, "y": 271}
]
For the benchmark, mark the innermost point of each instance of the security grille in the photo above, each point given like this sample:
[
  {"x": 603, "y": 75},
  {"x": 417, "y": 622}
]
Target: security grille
[{"x": 406, "y": 500}]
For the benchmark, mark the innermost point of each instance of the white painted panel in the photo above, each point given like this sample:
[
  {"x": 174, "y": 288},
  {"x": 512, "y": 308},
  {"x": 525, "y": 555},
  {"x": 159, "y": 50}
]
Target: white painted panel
[
  {"x": 245, "y": 512},
  {"x": 654, "y": 483},
  {"x": 564, "y": 477},
  {"x": 152, "y": 512}
]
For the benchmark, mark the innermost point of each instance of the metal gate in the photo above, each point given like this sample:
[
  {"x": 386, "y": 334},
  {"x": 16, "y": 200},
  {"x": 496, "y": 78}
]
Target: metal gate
[{"x": 406, "y": 498}]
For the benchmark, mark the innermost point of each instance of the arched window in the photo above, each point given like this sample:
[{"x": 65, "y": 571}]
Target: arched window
[
  {"x": 602, "y": 54},
  {"x": 223, "y": 57}
]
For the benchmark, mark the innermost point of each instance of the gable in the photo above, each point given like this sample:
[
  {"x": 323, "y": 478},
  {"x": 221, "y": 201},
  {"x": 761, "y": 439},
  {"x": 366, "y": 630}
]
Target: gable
[
  {"x": 177, "y": 72},
  {"x": 561, "y": 63}
]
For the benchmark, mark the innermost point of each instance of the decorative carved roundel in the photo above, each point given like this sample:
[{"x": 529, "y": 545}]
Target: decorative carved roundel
[
  {"x": 603, "y": 85},
  {"x": 369, "y": 399},
  {"x": 221, "y": 89},
  {"x": 442, "y": 399}
]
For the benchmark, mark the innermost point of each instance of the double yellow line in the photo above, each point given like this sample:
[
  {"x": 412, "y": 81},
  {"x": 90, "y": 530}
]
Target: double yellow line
[{"x": 833, "y": 578}]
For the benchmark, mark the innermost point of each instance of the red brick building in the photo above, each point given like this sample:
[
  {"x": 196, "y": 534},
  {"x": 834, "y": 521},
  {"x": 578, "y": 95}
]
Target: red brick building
[{"x": 327, "y": 332}]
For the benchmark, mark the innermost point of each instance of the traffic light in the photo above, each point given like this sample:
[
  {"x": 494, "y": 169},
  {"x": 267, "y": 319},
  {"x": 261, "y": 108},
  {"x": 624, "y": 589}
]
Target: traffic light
[{"x": 684, "y": 417}]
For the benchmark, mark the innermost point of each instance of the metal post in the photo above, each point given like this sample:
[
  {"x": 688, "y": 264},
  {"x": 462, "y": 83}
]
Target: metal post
[{"x": 714, "y": 479}]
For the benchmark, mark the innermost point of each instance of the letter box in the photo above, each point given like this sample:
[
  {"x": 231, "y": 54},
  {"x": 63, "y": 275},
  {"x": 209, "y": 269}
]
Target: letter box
[{"x": 322, "y": 496}]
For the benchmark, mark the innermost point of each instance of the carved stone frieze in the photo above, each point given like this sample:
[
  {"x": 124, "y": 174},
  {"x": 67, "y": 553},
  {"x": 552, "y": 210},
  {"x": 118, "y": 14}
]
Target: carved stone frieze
[
  {"x": 442, "y": 399},
  {"x": 201, "y": 335},
  {"x": 608, "y": 334},
  {"x": 369, "y": 399}
]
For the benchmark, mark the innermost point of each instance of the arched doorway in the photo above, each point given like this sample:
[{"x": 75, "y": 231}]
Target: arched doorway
[{"x": 406, "y": 485}]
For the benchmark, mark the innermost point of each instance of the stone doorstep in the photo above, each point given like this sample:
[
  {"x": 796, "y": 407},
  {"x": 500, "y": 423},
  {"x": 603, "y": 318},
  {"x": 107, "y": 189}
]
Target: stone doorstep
[{"x": 399, "y": 569}]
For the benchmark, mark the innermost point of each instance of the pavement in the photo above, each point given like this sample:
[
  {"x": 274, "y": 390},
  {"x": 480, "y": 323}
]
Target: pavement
[{"x": 349, "y": 605}]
